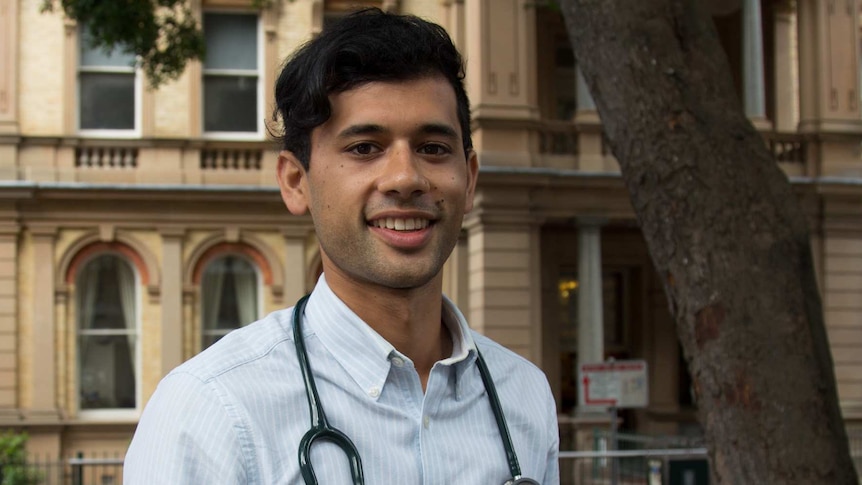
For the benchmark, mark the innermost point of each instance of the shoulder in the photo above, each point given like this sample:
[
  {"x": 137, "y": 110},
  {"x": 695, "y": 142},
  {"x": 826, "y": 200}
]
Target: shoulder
[
  {"x": 505, "y": 362},
  {"x": 248, "y": 346},
  {"x": 516, "y": 378}
]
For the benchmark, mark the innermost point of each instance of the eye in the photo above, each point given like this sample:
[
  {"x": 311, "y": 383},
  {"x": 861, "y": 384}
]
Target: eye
[
  {"x": 363, "y": 149},
  {"x": 434, "y": 149}
]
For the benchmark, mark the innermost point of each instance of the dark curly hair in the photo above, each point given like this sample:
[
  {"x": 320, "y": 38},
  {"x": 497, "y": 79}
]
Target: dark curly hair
[{"x": 366, "y": 46}]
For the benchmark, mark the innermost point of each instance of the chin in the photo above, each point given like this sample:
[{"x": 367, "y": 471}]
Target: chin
[{"x": 404, "y": 280}]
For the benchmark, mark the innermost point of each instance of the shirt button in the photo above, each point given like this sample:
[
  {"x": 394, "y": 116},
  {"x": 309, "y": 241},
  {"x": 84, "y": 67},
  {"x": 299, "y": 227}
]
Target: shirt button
[
  {"x": 397, "y": 361},
  {"x": 426, "y": 421},
  {"x": 374, "y": 391}
]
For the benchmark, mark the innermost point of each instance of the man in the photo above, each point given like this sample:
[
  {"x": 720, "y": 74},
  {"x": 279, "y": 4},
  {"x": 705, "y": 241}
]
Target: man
[{"x": 377, "y": 149}]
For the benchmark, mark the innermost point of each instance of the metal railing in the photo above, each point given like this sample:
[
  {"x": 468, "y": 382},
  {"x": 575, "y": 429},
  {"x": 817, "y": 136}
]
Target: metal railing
[
  {"x": 635, "y": 467},
  {"x": 78, "y": 470}
]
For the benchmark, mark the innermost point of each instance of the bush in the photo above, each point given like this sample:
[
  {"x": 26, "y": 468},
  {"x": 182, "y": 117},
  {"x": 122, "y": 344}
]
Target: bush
[{"x": 13, "y": 460}]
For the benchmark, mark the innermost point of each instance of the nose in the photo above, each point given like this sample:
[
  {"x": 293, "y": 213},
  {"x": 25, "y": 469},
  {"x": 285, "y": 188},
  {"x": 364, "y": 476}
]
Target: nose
[{"x": 402, "y": 174}]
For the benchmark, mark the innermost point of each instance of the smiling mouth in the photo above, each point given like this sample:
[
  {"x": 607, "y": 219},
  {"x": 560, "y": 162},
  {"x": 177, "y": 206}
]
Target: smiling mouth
[{"x": 398, "y": 224}]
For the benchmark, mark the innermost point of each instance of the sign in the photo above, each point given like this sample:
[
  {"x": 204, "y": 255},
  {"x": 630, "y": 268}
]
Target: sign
[{"x": 620, "y": 384}]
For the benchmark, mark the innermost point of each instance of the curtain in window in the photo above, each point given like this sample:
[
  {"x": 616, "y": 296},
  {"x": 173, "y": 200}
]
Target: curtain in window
[
  {"x": 87, "y": 292},
  {"x": 126, "y": 285},
  {"x": 107, "y": 334},
  {"x": 228, "y": 297},
  {"x": 244, "y": 282},
  {"x": 211, "y": 288}
]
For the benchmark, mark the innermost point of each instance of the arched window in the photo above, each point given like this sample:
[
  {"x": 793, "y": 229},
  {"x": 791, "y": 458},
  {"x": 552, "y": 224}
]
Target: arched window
[
  {"x": 106, "y": 296},
  {"x": 229, "y": 297}
]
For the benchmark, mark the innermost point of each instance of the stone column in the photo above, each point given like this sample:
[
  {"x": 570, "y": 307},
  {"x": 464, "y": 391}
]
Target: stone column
[
  {"x": 499, "y": 47},
  {"x": 39, "y": 346},
  {"x": 584, "y": 98},
  {"x": 9, "y": 387},
  {"x": 754, "y": 93},
  {"x": 786, "y": 115},
  {"x": 591, "y": 336},
  {"x": 590, "y": 154},
  {"x": 454, "y": 19},
  {"x": 171, "y": 298},
  {"x": 9, "y": 42},
  {"x": 829, "y": 84},
  {"x": 504, "y": 281}
]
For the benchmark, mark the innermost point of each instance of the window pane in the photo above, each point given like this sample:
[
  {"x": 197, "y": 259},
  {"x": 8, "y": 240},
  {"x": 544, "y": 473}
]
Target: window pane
[
  {"x": 107, "y": 376},
  {"x": 228, "y": 297},
  {"x": 107, "y": 333},
  {"x": 90, "y": 56},
  {"x": 230, "y": 103},
  {"x": 107, "y": 101},
  {"x": 231, "y": 41}
]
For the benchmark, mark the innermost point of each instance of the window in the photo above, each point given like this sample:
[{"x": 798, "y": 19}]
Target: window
[
  {"x": 107, "y": 334},
  {"x": 228, "y": 297},
  {"x": 617, "y": 302},
  {"x": 107, "y": 89},
  {"x": 231, "y": 74}
]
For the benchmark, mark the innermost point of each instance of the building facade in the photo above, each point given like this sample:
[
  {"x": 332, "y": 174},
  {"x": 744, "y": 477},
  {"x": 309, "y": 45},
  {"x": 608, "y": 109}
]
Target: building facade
[{"x": 137, "y": 226}]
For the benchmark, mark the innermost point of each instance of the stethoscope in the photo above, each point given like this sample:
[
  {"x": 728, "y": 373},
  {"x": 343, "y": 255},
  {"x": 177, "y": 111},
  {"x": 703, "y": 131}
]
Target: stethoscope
[{"x": 321, "y": 429}]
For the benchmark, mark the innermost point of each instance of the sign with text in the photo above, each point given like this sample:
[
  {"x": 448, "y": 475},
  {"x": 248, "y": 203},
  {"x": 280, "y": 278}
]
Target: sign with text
[{"x": 621, "y": 384}]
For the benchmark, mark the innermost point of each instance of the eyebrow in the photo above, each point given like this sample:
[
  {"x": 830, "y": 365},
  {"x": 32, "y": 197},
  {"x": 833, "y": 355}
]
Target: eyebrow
[{"x": 371, "y": 129}]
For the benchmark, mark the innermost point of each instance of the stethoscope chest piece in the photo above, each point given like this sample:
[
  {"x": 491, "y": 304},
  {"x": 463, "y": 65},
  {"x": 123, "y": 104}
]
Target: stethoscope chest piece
[{"x": 521, "y": 481}]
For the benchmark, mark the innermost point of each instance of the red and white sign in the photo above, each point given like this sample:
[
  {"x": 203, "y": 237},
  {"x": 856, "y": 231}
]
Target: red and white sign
[{"x": 621, "y": 384}]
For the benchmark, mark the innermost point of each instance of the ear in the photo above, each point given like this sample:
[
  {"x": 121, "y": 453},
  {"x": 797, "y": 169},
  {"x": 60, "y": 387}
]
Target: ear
[
  {"x": 293, "y": 182},
  {"x": 472, "y": 175}
]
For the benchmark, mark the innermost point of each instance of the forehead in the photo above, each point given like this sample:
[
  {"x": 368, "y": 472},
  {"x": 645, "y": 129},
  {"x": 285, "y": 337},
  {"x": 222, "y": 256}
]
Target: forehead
[{"x": 395, "y": 104}]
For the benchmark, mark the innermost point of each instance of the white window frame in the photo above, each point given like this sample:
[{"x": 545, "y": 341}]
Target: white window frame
[
  {"x": 138, "y": 91},
  {"x": 259, "y": 133},
  {"x": 111, "y": 414}
]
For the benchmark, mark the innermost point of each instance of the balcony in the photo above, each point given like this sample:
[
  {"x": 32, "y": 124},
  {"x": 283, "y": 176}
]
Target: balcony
[
  {"x": 569, "y": 145},
  {"x": 194, "y": 162}
]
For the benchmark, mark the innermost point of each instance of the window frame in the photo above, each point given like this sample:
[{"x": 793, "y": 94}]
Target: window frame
[
  {"x": 106, "y": 414},
  {"x": 135, "y": 71},
  {"x": 259, "y": 134}
]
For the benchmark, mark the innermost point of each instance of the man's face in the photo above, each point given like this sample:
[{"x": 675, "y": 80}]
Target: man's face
[{"x": 388, "y": 182}]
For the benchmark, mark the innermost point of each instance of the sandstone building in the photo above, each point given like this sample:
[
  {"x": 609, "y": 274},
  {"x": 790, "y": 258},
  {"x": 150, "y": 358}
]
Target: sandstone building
[{"x": 138, "y": 226}]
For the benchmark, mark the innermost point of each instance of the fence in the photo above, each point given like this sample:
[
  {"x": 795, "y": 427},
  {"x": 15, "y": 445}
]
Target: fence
[
  {"x": 640, "y": 460},
  {"x": 644, "y": 460},
  {"x": 628, "y": 459},
  {"x": 106, "y": 470}
]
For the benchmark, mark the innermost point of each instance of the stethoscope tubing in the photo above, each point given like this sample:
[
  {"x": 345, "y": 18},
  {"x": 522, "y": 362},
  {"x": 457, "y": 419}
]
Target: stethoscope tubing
[
  {"x": 320, "y": 427},
  {"x": 322, "y": 430}
]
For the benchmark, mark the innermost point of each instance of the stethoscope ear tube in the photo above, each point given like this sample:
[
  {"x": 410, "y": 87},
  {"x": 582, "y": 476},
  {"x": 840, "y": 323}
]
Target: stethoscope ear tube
[{"x": 511, "y": 457}]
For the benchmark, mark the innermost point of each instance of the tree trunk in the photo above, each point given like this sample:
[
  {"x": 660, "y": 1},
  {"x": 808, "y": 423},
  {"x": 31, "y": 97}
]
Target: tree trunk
[{"x": 727, "y": 235}]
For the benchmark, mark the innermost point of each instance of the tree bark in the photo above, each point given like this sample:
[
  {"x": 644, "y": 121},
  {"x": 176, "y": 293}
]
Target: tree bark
[{"x": 725, "y": 232}]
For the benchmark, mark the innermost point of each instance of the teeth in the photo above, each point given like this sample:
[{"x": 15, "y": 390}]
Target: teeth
[{"x": 411, "y": 224}]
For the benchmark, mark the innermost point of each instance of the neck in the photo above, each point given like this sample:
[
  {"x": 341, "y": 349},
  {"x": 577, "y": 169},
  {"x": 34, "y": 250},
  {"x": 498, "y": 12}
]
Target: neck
[{"x": 409, "y": 319}]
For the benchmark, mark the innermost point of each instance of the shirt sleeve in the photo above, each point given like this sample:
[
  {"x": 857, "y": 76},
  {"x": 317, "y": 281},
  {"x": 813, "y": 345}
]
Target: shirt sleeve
[
  {"x": 185, "y": 436},
  {"x": 552, "y": 470}
]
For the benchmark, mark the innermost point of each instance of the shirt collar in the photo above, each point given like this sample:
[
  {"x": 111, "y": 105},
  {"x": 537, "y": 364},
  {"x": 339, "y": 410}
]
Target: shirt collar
[{"x": 361, "y": 351}]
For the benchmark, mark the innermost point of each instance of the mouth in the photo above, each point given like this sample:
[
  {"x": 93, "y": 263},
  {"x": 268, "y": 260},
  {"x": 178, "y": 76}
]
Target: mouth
[{"x": 401, "y": 224}]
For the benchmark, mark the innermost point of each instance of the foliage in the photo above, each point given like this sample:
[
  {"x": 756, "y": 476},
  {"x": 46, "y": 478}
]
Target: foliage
[
  {"x": 162, "y": 34},
  {"x": 13, "y": 461}
]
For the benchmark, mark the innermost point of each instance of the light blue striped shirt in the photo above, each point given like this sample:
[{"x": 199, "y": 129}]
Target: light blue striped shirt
[{"x": 235, "y": 413}]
